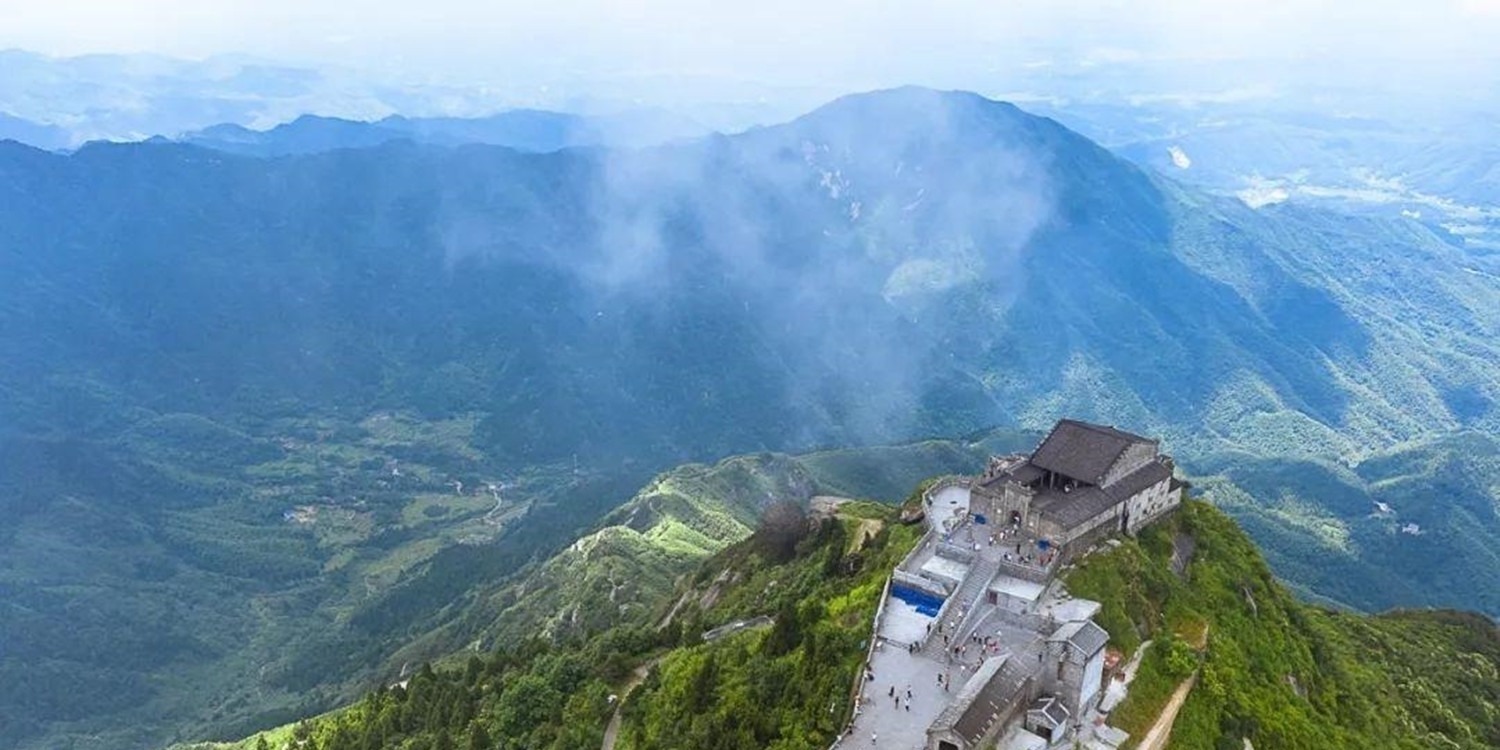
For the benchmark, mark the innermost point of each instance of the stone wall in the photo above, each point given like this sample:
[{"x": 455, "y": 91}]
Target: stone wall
[
  {"x": 1025, "y": 572},
  {"x": 1102, "y": 526},
  {"x": 954, "y": 552},
  {"x": 859, "y": 677},
  {"x": 1152, "y": 503},
  {"x": 909, "y": 563},
  {"x": 921, "y": 583},
  {"x": 1134, "y": 457}
]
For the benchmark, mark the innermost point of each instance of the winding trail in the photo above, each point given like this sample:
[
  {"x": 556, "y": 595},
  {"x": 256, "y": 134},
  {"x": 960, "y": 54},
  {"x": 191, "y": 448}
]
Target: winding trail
[
  {"x": 493, "y": 517},
  {"x": 637, "y": 676},
  {"x": 1156, "y": 737}
]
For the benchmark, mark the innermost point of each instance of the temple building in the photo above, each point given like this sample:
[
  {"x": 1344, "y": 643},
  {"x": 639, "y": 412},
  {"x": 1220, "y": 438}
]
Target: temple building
[
  {"x": 1082, "y": 483},
  {"x": 977, "y": 625}
]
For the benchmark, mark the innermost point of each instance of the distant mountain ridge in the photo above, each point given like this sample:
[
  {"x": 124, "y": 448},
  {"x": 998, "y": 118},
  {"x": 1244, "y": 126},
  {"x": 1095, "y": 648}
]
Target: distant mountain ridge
[
  {"x": 32, "y": 134},
  {"x": 521, "y": 129},
  {"x": 893, "y": 265}
]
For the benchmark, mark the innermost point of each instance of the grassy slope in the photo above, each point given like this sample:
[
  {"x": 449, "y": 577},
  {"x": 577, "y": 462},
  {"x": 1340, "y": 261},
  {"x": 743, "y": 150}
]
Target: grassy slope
[
  {"x": 784, "y": 687},
  {"x": 538, "y": 696},
  {"x": 627, "y": 569},
  {"x": 1280, "y": 672},
  {"x": 1283, "y": 673},
  {"x": 292, "y": 619},
  {"x": 630, "y": 563}
]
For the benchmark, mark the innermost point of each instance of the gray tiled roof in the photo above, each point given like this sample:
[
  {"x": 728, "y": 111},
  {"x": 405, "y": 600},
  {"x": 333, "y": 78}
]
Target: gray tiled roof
[
  {"x": 1051, "y": 709},
  {"x": 1140, "y": 479},
  {"x": 1069, "y": 509},
  {"x": 1084, "y": 635},
  {"x": 1081, "y": 450},
  {"x": 998, "y": 685},
  {"x": 1026, "y": 473}
]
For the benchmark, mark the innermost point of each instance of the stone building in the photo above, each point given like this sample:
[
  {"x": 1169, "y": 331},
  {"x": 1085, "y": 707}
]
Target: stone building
[
  {"x": 979, "y": 600},
  {"x": 1074, "y": 660},
  {"x": 1082, "y": 483},
  {"x": 989, "y": 700},
  {"x": 1044, "y": 687}
]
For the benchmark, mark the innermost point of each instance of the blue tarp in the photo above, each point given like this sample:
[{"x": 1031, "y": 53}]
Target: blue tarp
[
  {"x": 921, "y": 601},
  {"x": 980, "y": 519}
]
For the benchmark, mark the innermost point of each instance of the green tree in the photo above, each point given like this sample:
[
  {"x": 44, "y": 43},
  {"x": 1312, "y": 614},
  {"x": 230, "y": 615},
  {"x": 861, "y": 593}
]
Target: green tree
[{"x": 479, "y": 737}]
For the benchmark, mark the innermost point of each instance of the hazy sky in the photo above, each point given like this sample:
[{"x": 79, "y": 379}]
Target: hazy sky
[{"x": 832, "y": 42}]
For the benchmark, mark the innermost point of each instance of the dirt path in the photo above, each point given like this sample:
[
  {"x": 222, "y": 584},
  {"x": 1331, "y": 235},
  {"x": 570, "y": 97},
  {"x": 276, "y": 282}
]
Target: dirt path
[
  {"x": 636, "y": 678},
  {"x": 1156, "y": 737}
]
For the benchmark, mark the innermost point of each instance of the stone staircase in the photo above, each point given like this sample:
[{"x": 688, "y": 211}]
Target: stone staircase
[
  {"x": 968, "y": 594},
  {"x": 988, "y": 622}
]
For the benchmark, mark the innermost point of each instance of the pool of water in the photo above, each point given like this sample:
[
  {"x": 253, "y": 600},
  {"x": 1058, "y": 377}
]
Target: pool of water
[{"x": 921, "y": 601}]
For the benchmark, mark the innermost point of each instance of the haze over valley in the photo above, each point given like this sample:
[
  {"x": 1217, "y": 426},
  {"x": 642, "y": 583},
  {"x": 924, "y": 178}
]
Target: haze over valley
[{"x": 319, "y": 371}]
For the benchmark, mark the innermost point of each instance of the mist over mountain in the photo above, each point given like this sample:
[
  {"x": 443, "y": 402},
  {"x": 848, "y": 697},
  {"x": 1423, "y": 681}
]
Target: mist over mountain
[
  {"x": 520, "y": 129},
  {"x": 136, "y": 96},
  {"x": 353, "y": 328},
  {"x": 884, "y": 249},
  {"x": 1439, "y": 169},
  {"x": 264, "y": 106}
]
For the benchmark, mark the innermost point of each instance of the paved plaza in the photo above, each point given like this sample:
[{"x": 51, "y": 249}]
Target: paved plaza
[
  {"x": 898, "y": 723},
  {"x": 976, "y": 640}
]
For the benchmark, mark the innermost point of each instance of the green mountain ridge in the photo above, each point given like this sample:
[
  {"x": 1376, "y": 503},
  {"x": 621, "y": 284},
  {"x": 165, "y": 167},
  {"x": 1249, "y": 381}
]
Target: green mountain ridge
[
  {"x": 1278, "y": 672},
  {"x": 636, "y": 555},
  {"x": 366, "y": 331}
]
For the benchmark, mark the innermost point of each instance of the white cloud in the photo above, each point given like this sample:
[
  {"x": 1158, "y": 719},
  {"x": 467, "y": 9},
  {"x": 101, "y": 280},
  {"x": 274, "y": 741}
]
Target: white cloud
[{"x": 833, "y": 44}]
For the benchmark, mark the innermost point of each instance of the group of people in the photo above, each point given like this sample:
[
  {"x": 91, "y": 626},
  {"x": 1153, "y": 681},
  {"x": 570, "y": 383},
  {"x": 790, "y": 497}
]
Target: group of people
[{"x": 897, "y": 697}]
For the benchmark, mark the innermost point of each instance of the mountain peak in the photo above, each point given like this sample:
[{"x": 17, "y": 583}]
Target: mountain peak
[{"x": 920, "y": 106}]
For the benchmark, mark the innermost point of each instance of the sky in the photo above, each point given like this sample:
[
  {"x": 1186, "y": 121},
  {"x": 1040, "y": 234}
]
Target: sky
[{"x": 840, "y": 43}]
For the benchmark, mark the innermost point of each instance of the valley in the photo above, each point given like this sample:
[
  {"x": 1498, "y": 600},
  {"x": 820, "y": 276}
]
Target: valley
[{"x": 265, "y": 443}]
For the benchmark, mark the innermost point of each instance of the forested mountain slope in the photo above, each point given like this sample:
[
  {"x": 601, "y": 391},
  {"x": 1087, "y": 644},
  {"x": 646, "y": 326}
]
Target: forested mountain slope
[
  {"x": 1277, "y": 672},
  {"x": 325, "y": 404},
  {"x": 955, "y": 265}
]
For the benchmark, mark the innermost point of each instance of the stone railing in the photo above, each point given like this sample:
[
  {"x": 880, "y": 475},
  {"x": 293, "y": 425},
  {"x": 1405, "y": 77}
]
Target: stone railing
[
  {"x": 1027, "y": 571},
  {"x": 942, "y": 616},
  {"x": 859, "y": 676},
  {"x": 938, "y": 485},
  {"x": 922, "y": 583},
  {"x": 943, "y": 483},
  {"x": 954, "y": 552},
  {"x": 911, "y": 557}
]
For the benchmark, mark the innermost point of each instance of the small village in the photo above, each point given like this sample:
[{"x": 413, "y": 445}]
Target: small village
[{"x": 977, "y": 643}]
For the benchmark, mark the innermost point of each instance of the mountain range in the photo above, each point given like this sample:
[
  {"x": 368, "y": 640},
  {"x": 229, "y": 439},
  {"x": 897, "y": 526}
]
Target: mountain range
[
  {"x": 519, "y": 129},
  {"x": 242, "y": 388}
]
